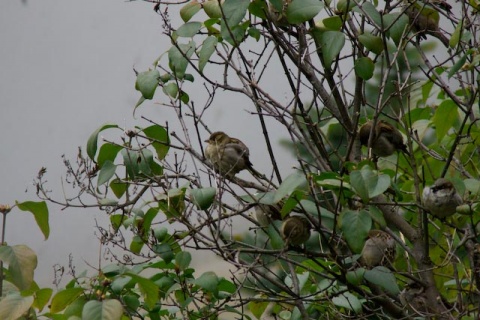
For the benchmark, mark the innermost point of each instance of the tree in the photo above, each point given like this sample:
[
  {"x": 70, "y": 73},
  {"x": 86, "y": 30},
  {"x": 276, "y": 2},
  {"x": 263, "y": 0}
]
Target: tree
[{"x": 374, "y": 248}]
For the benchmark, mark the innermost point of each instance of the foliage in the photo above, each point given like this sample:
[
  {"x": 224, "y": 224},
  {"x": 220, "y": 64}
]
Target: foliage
[{"x": 341, "y": 63}]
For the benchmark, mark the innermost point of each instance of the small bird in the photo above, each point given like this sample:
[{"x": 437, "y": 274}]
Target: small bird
[
  {"x": 378, "y": 250},
  {"x": 295, "y": 230},
  {"x": 227, "y": 155},
  {"x": 386, "y": 138},
  {"x": 279, "y": 17},
  {"x": 425, "y": 20},
  {"x": 441, "y": 199}
]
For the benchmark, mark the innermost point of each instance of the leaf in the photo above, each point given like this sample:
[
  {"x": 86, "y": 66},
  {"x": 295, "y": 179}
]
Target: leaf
[
  {"x": 293, "y": 182},
  {"x": 14, "y": 305},
  {"x": 208, "y": 48},
  {"x": 348, "y": 301},
  {"x": 384, "y": 278},
  {"x": 148, "y": 288},
  {"x": 334, "y": 23},
  {"x": 108, "y": 151},
  {"x": 189, "y": 10},
  {"x": 364, "y": 68},
  {"x": 355, "y": 225},
  {"x": 42, "y": 297},
  {"x": 109, "y": 309},
  {"x": 257, "y": 308},
  {"x": 368, "y": 183},
  {"x": 455, "y": 39},
  {"x": 368, "y": 9},
  {"x": 118, "y": 187},
  {"x": 212, "y": 9},
  {"x": 355, "y": 277},
  {"x": 208, "y": 281},
  {"x": 331, "y": 43},
  {"x": 203, "y": 198},
  {"x": 396, "y": 24},
  {"x": 92, "y": 140},
  {"x": 444, "y": 118},
  {"x": 40, "y": 213},
  {"x": 64, "y": 298},
  {"x": 182, "y": 260},
  {"x": 189, "y": 29},
  {"x": 299, "y": 11},
  {"x": 106, "y": 173},
  {"x": 171, "y": 89},
  {"x": 147, "y": 83},
  {"x": 22, "y": 262},
  {"x": 235, "y": 11},
  {"x": 178, "y": 58},
  {"x": 457, "y": 66},
  {"x": 371, "y": 42},
  {"x": 160, "y": 140}
]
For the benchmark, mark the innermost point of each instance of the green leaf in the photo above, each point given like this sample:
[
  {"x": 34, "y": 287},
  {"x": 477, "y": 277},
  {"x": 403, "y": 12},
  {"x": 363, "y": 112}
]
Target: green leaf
[
  {"x": 203, "y": 198},
  {"x": 148, "y": 288},
  {"x": 293, "y": 182},
  {"x": 182, "y": 260},
  {"x": 92, "y": 140},
  {"x": 457, "y": 66},
  {"x": 208, "y": 281},
  {"x": 355, "y": 277},
  {"x": 160, "y": 140},
  {"x": 258, "y": 8},
  {"x": 371, "y": 42},
  {"x": 64, "y": 298},
  {"x": 383, "y": 278},
  {"x": 160, "y": 234},
  {"x": 334, "y": 23},
  {"x": 40, "y": 213},
  {"x": 364, "y": 68},
  {"x": 171, "y": 89},
  {"x": 109, "y": 309},
  {"x": 22, "y": 262},
  {"x": 189, "y": 10},
  {"x": 107, "y": 202},
  {"x": 14, "y": 306},
  {"x": 42, "y": 297},
  {"x": 348, "y": 301},
  {"x": 118, "y": 187},
  {"x": 235, "y": 11},
  {"x": 147, "y": 83},
  {"x": 164, "y": 251},
  {"x": 212, "y": 9},
  {"x": 377, "y": 216},
  {"x": 106, "y": 173},
  {"x": 108, "y": 151},
  {"x": 368, "y": 183},
  {"x": 368, "y": 9},
  {"x": 178, "y": 58},
  {"x": 445, "y": 117},
  {"x": 355, "y": 225},
  {"x": 331, "y": 43},
  {"x": 344, "y": 6},
  {"x": 299, "y": 11},
  {"x": 189, "y": 29},
  {"x": 455, "y": 39},
  {"x": 257, "y": 308},
  {"x": 208, "y": 48},
  {"x": 254, "y": 33},
  {"x": 136, "y": 244},
  {"x": 396, "y": 24}
]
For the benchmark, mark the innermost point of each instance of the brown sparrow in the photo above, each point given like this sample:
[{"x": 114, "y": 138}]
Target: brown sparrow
[
  {"x": 295, "y": 230},
  {"x": 441, "y": 199},
  {"x": 379, "y": 249},
  {"x": 425, "y": 20},
  {"x": 227, "y": 155},
  {"x": 386, "y": 138}
]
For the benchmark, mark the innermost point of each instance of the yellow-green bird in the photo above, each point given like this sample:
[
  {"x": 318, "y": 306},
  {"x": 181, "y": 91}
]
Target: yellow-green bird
[{"x": 425, "y": 20}]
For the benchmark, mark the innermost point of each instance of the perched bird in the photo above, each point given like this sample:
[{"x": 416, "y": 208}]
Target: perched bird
[
  {"x": 378, "y": 250},
  {"x": 425, "y": 20},
  {"x": 441, "y": 199},
  {"x": 264, "y": 214},
  {"x": 386, "y": 138},
  {"x": 227, "y": 155},
  {"x": 295, "y": 230},
  {"x": 279, "y": 15}
]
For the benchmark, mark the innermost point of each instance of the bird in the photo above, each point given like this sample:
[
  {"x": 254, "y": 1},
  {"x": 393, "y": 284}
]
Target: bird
[
  {"x": 425, "y": 20},
  {"x": 279, "y": 17},
  {"x": 228, "y": 156},
  {"x": 413, "y": 298},
  {"x": 378, "y": 250},
  {"x": 386, "y": 138},
  {"x": 295, "y": 230},
  {"x": 441, "y": 199}
]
